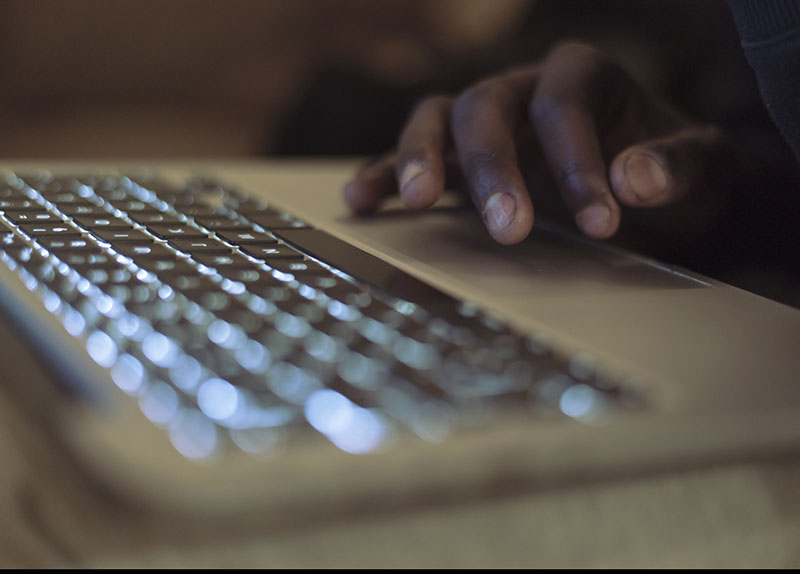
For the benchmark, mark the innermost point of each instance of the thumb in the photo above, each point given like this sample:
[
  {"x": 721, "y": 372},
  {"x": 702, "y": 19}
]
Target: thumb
[{"x": 664, "y": 170}]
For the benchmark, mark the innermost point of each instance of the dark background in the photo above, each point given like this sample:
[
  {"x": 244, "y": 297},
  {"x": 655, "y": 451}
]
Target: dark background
[{"x": 277, "y": 78}]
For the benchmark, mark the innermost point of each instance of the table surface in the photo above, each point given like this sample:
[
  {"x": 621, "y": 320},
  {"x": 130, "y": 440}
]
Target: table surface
[{"x": 724, "y": 516}]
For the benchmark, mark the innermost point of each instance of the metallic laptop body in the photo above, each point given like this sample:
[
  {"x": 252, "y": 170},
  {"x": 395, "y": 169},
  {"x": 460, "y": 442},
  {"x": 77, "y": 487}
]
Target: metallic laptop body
[{"x": 661, "y": 367}]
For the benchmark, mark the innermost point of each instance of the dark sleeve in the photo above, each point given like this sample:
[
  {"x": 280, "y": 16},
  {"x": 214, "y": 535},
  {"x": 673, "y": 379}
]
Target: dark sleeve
[{"x": 770, "y": 34}]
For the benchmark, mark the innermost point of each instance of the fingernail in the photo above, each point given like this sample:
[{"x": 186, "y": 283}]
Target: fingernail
[
  {"x": 499, "y": 210},
  {"x": 645, "y": 176},
  {"x": 410, "y": 172},
  {"x": 594, "y": 220}
]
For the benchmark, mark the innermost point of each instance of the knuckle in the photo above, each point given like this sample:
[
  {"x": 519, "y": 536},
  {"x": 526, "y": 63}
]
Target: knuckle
[
  {"x": 425, "y": 126},
  {"x": 547, "y": 105},
  {"x": 478, "y": 160},
  {"x": 417, "y": 154},
  {"x": 576, "y": 73},
  {"x": 476, "y": 98},
  {"x": 711, "y": 136},
  {"x": 579, "y": 181},
  {"x": 433, "y": 103},
  {"x": 573, "y": 173},
  {"x": 573, "y": 50},
  {"x": 483, "y": 167}
]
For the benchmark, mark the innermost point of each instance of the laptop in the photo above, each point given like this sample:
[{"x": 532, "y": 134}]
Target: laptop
[{"x": 224, "y": 340}]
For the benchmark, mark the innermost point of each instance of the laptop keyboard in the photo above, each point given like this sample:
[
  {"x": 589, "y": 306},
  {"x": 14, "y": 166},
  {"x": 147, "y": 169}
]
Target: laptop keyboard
[{"x": 237, "y": 325}]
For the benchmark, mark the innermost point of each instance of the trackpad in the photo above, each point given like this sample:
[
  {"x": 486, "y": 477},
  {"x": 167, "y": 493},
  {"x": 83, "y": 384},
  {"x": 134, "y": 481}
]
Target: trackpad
[{"x": 550, "y": 261}]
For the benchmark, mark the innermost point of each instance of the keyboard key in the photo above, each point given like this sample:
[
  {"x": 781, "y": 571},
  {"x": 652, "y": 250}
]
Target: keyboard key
[
  {"x": 203, "y": 245},
  {"x": 60, "y": 243},
  {"x": 250, "y": 207},
  {"x": 119, "y": 283},
  {"x": 136, "y": 206},
  {"x": 205, "y": 294},
  {"x": 54, "y": 186},
  {"x": 332, "y": 286},
  {"x": 113, "y": 195},
  {"x": 31, "y": 216},
  {"x": 300, "y": 266},
  {"x": 222, "y": 260},
  {"x": 13, "y": 194},
  {"x": 186, "y": 282},
  {"x": 168, "y": 266},
  {"x": 200, "y": 210},
  {"x": 175, "y": 231},
  {"x": 269, "y": 221},
  {"x": 84, "y": 209},
  {"x": 106, "y": 221},
  {"x": 90, "y": 259},
  {"x": 137, "y": 251},
  {"x": 115, "y": 236},
  {"x": 17, "y": 203},
  {"x": 251, "y": 277},
  {"x": 153, "y": 217},
  {"x": 67, "y": 198},
  {"x": 49, "y": 229},
  {"x": 248, "y": 237},
  {"x": 223, "y": 224},
  {"x": 268, "y": 252}
]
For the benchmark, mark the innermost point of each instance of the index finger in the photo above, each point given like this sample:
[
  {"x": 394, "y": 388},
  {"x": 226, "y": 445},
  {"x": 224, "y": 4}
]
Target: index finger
[
  {"x": 484, "y": 121},
  {"x": 563, "y": 113}
]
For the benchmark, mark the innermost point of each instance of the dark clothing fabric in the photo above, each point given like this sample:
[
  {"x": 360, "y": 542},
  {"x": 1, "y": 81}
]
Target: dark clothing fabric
[{"x": 770, "y": 33}]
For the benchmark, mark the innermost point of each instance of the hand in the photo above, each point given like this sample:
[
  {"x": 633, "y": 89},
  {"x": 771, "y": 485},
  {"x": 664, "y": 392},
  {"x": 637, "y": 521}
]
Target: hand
[{"x": 576, "y": 123}]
